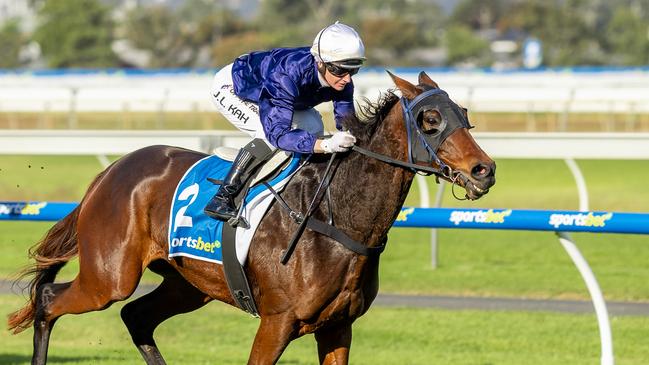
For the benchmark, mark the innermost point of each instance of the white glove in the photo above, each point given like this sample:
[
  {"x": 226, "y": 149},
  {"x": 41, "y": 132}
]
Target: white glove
[{"x": 341, "y": 141}]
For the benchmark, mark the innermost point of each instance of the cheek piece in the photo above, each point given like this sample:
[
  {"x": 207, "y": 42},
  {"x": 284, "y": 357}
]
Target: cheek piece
[{"x": 423, "y": 147}]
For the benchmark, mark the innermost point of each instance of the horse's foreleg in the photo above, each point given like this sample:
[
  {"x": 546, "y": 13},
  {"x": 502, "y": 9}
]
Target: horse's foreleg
[
  {"x": 274, "y": 334},
  {"x": 141, "y": 316},
  {"x": 333, "y": 344}
]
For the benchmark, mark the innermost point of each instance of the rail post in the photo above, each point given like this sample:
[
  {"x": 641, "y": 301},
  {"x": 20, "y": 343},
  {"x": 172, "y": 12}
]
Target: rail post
[{"x": 606, "y": 338}]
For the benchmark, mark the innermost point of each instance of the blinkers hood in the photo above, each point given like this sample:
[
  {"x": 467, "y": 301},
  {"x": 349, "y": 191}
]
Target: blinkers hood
[{"x": 423, "y": 146}]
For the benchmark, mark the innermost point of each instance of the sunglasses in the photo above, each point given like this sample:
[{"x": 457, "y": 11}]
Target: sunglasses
[{"x": 341, "y": 71}]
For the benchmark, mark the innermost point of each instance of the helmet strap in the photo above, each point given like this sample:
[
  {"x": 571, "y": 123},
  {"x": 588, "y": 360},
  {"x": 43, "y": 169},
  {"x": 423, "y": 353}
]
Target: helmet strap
[{"x": 322, "y": 69}]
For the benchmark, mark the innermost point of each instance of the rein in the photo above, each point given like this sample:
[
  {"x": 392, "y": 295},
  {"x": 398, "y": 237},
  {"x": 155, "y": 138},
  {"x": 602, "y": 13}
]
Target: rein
[
  {"x": 445, "y": 171},
  {"x": 317, "y": 198},
  {"x": 316, "y": 225},
  {"x": 424, "y": 143},
  {"x": 417, "y": 138}
]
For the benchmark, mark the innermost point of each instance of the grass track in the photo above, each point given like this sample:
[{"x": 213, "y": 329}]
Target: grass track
[
  {"x": 220, "y": 334},
  {"x": 472, "y": 262},
  {"x": 529, "y": 184}
]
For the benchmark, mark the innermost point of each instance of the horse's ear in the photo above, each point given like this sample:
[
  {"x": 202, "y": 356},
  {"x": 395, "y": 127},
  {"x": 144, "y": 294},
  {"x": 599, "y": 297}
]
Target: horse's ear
[
  {"x": 425, "y": 79},
  {"x": 408, "y": 90}
]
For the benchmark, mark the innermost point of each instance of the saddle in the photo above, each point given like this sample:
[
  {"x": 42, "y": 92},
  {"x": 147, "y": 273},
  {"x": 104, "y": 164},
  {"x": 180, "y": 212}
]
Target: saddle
[
  {"x": 193, "y": 234},
  {"x": 277, "y": 162}
]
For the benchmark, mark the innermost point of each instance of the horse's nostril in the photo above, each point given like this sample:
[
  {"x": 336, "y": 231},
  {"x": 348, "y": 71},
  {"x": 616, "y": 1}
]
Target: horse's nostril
[{"x": 480, "y": 170}]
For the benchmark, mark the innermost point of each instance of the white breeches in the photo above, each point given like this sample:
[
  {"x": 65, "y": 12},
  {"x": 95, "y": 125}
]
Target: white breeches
[{"x": 245, "y": 114}]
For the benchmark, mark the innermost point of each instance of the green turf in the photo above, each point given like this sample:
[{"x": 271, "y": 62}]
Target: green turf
[
  {"x": 220, "y": 334},
  {"x": 53, "y": 178},
  {"x": 471, "y": 262},
  {"x": 548, "y": 184},
  {"x": 523, "y": 184},
  {"x": 513, "y": 263}
]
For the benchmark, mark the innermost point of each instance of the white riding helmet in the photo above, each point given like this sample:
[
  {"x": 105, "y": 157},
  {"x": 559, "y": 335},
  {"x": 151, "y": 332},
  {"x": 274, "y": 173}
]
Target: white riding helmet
[{"x": 340, "y": 44}]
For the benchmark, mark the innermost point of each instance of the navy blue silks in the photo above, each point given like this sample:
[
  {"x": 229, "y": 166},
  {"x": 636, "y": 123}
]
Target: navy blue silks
[{"x": 283, "y": 80}]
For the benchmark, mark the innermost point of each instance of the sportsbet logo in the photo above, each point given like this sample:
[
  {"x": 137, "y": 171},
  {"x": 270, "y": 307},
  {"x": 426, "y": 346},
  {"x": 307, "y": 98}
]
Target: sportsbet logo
[
  {"x": 22, "y": 209},
  {"x": 404, "y": 213},
  {"x": 580, "y": 220},
  {"x": 479, "y": 216},
  {"x": 196, "y": 244}
]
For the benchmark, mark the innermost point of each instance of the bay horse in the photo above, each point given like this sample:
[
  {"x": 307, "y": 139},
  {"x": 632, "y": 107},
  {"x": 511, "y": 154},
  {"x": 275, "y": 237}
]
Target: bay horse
[{"x": 120, "y": 228}]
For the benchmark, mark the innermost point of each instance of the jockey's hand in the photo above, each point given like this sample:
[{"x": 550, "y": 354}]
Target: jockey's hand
[{"x": 340, "y": 141}]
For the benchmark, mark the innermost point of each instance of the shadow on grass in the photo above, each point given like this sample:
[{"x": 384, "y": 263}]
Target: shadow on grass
[{"x": 19, "y": 359}]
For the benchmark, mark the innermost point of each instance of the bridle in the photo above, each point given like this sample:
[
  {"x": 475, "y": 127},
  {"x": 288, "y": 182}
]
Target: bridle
[
  {"x": 423, "y": 145},
  {"x": 418, "y": 143}
]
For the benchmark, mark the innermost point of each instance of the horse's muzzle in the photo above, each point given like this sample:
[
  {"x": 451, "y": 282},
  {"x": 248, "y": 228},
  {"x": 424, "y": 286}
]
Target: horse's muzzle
[{"x": 480, "y": 180}]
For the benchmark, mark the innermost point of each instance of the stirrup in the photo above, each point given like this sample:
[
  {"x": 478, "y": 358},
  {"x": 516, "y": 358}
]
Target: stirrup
[
  {"x": 215, "y": 181},
  {"x": 239, "y": 221}
]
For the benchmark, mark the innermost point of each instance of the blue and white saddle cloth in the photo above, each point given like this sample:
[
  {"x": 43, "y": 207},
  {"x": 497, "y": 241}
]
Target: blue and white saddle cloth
[{"x": 194, "y": 234}]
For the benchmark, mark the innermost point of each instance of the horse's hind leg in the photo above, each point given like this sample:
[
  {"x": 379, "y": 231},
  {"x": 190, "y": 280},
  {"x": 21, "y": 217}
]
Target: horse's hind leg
[
  {"x": 42, "y": 326},
  {"x": 141, "y": 316},
  {"x": 55, "y": 300},
  {"x": 92, "y": 290}
]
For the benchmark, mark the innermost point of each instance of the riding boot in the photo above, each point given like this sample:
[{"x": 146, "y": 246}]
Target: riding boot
[
  {"x": 249, "y": 158},
  {"x": 222, "y": 204}
]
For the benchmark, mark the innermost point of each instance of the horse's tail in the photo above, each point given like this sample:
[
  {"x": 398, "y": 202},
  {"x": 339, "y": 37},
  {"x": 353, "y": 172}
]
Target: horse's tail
[{"x": 51, "y": 253}]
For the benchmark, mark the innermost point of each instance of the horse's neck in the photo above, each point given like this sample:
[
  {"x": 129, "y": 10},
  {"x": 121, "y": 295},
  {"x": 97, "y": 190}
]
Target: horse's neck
[{"x": 367, "y": 194}]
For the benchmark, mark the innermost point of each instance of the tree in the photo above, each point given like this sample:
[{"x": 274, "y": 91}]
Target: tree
[
  {"x": 395, "y": 36},
  {"x": 177, "y": 39},
  {"x": 567, "y": 29},
  {"x": 628, "y": 38},
  {"x": 75, "y": 33},
  {"x": 11, "y": 40},
  {"x": 389, "y": 28},
  {"x": 157, "y": 30},
  {"x": 479, "y": 14},
  {"x": 464, "y": 46},
  {"x": 234, "y": 45},
  {"x": 204, "y": 22},
  {"x": 305, "y": 16}
]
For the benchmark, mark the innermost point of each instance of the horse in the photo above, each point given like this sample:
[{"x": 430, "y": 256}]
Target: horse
[{"x": 119, "y": 229}]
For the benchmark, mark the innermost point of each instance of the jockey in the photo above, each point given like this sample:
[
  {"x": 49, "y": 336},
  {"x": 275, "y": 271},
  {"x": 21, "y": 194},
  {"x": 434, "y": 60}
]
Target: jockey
[{"x": 271, "y": 94}]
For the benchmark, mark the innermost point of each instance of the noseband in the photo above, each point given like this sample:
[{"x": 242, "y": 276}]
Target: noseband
[
  {"x": 419, "y": 143},
  {"x": 423, "y": 147}
]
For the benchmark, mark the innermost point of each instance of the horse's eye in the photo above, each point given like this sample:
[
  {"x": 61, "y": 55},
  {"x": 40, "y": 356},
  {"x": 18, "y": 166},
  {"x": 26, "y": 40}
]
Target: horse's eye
[{"x": 431, "y": 122}]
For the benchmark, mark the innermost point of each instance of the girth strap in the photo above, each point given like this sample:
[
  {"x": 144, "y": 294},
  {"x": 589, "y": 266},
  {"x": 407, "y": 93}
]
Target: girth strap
[
  {"x": 340, "y": 236},
  {"x": 235, "y": 276}
]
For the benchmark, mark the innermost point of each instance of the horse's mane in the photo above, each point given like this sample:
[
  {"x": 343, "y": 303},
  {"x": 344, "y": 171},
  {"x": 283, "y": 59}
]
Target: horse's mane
[{"x": 369, "y": 116}]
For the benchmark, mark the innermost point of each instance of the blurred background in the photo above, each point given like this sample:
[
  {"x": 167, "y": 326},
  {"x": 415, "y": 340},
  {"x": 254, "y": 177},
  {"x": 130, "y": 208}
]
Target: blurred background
[
  {"x": 37, "y": 34},
  {"x": 518, "y": 65},
  {"x": 558, "y": 91}
]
